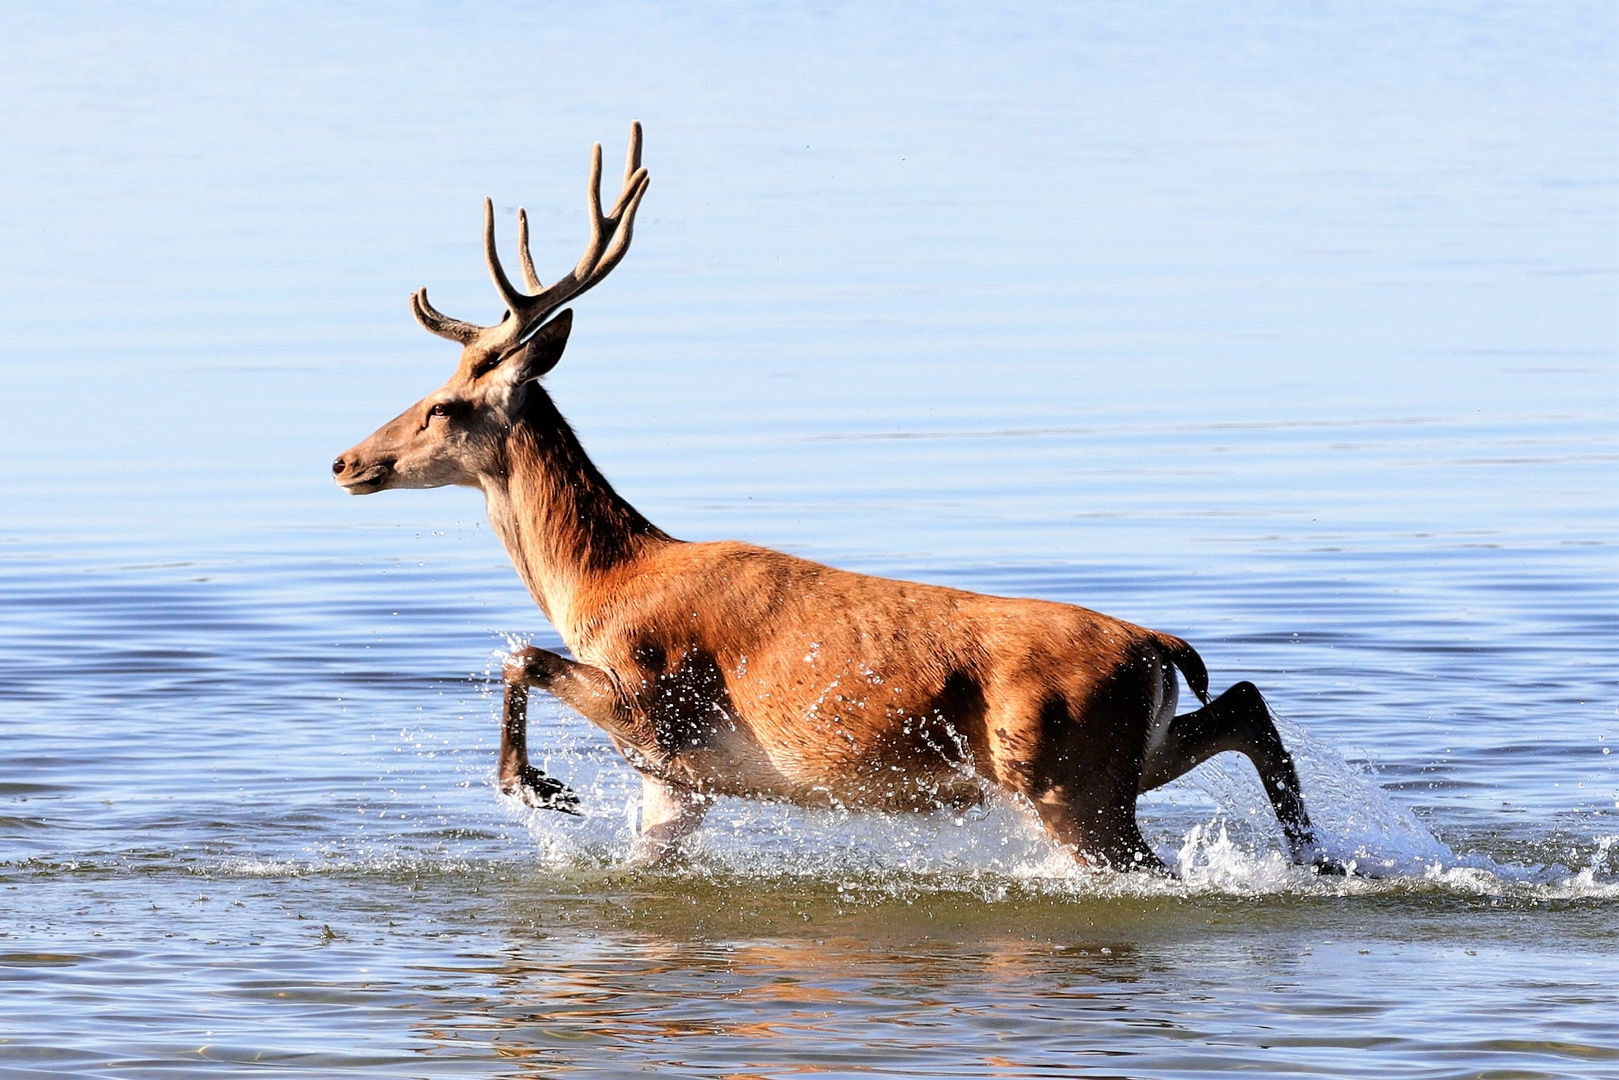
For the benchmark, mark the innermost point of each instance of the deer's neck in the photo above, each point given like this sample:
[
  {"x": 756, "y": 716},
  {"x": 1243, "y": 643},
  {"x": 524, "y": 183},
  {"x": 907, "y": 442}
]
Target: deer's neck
[{"x": 563, "y": 525}]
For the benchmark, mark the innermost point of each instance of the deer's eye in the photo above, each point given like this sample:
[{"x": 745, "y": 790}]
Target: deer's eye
[{"x": 440, "y": 410}]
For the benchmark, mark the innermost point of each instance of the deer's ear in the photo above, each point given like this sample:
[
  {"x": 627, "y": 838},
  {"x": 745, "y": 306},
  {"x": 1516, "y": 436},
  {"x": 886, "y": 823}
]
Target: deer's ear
[{"x": 540, "y": 353}]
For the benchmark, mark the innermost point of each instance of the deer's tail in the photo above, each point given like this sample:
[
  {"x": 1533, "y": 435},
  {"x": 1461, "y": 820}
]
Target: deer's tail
[{"x": 1184, "y": 657}]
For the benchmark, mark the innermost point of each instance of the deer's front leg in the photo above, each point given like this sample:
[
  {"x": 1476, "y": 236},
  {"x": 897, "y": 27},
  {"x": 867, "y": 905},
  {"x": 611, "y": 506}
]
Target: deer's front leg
[
  {"x": 586, "y": 689},
  {"x": 669, "y": 814},
  {"x": 525, "y": 668}
]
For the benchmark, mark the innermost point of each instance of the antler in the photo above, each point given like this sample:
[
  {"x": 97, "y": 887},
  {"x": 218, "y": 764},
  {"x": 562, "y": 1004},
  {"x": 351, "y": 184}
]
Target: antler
[{"x": 609, "y": 240}]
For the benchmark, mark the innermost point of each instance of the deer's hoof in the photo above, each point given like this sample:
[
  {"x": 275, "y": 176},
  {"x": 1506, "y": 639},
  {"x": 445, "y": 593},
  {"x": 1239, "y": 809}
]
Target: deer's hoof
[
  {"x": 1322, "y": 863},
  {"x": 542, "y": 792},
  {"x": 1327, "y": 866}
]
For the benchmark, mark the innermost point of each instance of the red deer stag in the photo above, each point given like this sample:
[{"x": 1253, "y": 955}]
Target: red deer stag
[{"x": 719, "y": 668}]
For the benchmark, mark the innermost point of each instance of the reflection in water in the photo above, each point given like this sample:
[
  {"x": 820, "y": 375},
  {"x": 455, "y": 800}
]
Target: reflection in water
[
  {"x": 956, "y": 996},
  {"x": 822, "y": 1004}
]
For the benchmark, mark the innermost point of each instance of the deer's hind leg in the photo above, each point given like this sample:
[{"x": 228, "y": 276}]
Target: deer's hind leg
[
  {"x": 1240, "y": 720},
  {"x": 1079, "y": 772},
  {"x": 583, "y": 687},
  {"x": 1101, "y": 831}
]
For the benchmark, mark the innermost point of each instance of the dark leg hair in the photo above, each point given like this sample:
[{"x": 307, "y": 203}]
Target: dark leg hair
[{"x": 1240, "y": 720}]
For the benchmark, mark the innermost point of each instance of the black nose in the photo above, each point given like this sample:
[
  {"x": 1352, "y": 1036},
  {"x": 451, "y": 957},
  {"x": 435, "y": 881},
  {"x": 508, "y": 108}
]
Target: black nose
[{"x": 338, "y": 466}]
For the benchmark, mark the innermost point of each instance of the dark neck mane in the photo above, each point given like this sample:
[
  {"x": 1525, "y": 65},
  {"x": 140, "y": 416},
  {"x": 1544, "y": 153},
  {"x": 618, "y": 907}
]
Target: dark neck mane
[{"x": 563, "y": 522}]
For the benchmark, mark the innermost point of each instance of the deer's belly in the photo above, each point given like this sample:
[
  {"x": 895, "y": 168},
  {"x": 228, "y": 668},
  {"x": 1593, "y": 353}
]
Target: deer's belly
[{"x": 896, "y": 766}]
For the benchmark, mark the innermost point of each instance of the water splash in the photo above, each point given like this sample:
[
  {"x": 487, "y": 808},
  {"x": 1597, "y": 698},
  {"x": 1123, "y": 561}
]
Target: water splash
[
  {"x": 1215, "y": 829},
  {"x": 1356, "y": 821}
]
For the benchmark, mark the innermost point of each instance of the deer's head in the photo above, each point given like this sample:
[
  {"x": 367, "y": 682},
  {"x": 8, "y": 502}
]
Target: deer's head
[{"x": 455, "y": 434}]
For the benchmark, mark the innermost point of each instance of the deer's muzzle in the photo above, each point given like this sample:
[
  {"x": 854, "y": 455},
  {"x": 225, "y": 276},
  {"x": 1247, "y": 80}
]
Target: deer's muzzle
[{"x": 358, "y": 478}]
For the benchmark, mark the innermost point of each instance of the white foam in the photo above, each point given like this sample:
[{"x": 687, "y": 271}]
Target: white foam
[{"x": 1001, "y": 850}]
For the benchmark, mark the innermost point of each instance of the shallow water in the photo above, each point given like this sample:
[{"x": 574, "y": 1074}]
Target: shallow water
[{"x": 1293, "y": 334}]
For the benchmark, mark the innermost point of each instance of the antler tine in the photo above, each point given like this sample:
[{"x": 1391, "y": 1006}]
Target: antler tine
[
  {"x": 632, "y": 165},
  {"x": 621, "y": 236},
  {"x": 523, "y": 254},
  {"x": 517, "y": 302},
  {"x": 593, "y": 192},
  {"x": 439, "y": 323}
]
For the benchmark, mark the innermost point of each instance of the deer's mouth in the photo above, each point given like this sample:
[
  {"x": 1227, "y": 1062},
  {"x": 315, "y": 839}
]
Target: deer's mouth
[{"x": 365, "y": 480}]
